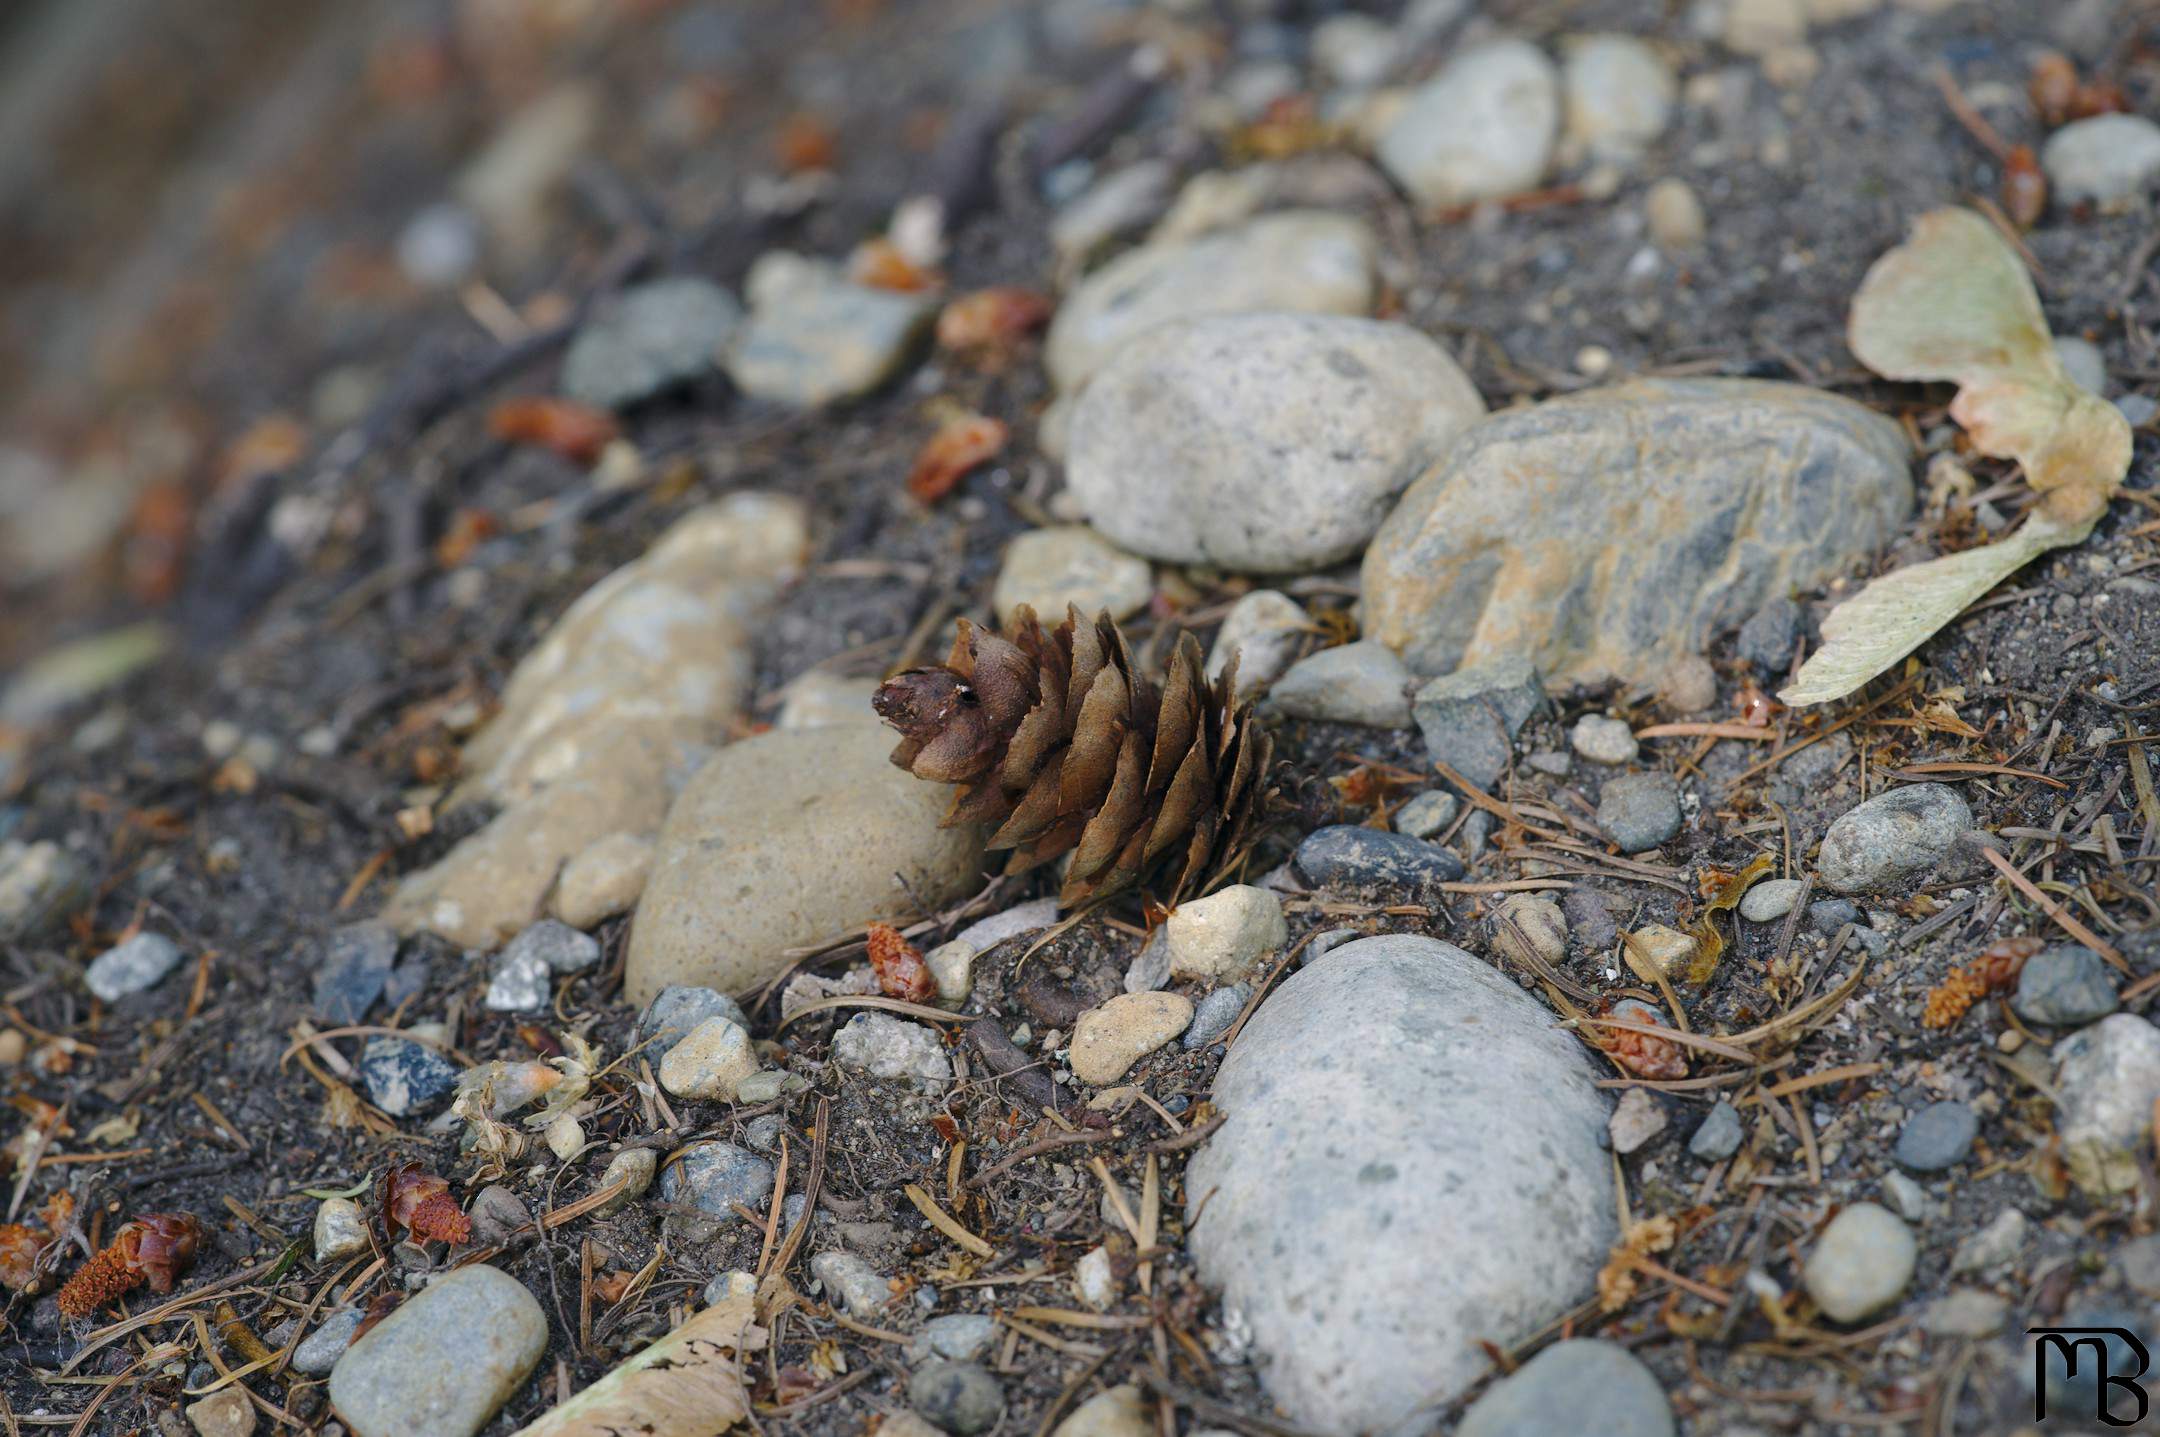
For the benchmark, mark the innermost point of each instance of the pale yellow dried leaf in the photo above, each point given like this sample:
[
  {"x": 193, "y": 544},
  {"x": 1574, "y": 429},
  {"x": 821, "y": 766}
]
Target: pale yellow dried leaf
[{"x": 688, "y": 1384}]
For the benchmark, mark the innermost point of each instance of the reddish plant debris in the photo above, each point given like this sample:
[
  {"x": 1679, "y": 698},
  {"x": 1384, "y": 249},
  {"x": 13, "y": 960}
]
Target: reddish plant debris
[
  {"x": 960, "y": 445},
  {"x": 23, "y": 1246},
  {"x": 806, "y": 142},
  {"x": 467, "y": 530},
  {"x": 1640, "y": 1053},
  {"x": 2024, "y": 188},
  {"x": 419, "y": 1204},
  {"x": 901, "y": 971},
  {"x": 880, "y": 264},
  {"x": 380, "y": 1306},
  {"x": 1756, "y": 707},
  {"x": 578, "y": 432},
  {"x": 985, "y": 326},
  {"x": 155, "y": 1248},
  {"x": 1995, "y": 969},
  {"x": 2053, "y": 87}
]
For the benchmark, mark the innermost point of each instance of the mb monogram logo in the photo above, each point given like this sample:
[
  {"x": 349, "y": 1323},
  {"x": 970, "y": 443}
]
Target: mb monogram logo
[{"x": 2102, "y": 1343}]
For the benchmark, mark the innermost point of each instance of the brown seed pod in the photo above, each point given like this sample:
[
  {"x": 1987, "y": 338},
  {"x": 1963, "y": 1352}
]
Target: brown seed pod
[
  {"x": 901, "y": 971},
  {"x": 155, "y": 1248},
  {"x": 419, "y": 1204},
  {"x": 2024, "y": 188}
]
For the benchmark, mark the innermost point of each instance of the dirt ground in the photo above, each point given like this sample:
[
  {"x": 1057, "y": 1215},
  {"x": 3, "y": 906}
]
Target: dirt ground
[{"x": 285, "y": 154}]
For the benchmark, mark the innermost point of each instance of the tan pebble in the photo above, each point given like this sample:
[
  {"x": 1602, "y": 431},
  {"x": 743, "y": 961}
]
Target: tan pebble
[{"x": 1109, "y": 1040}]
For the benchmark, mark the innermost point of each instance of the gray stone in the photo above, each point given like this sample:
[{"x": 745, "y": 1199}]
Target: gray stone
[
  {"x": 647, "y": 339},
  {"x": 340, "y": 1229},
  {"x": 1994, "y": 1246},
  {"x": 1965, "y": 1312},
  {"x": 40, "y": 884},
  {"x": 2138, "y": 1260},
  {"x": 1604, "y": 740},
  {"x": 1620, "y": 95},
  {"x": 887, "y": 1047},
  {"x": 819, "y": 339},
  {"x": 986, "y": 933},
  {"x": 1939, "y": 1136},
  {"x": 711, "y": 1062},
  {"x": 677, "y": 1009},
  {"x": 320, "y": 1350},
  {"x": 1214, "y": 1014},
  {"x": 960, "y": 1397},
  {"x": 1360, "y": 683},
  {"x": 497, "y": 1213},
  {"x": 135, "y": 966},
  {"x": 519, "y": 982},
  {"x": 1302, "y": 261},
  {"x": 959, "y": 1337},
  {"x": 632, "y": 1167},
  {"x": 1828, "y": 915},
  {"x": 1591, "y": 919},
  {"x": 1766, "y": 639},
  {"x": 1606, "y": 534},
  {"x": 1481, "y": 129},
  {"x": 559, "y": 947},
  {"x": 604, "y": 878},
  {"x": 2079, "y": 1388},
  {"x": 1639, "y": 811},
  {"x": 1221, "y": 936},
  {"x": 1120, "y": 201},
  {"x": 785, "y": 839},
  {"x": 861, "y": 1288},
  {"x": 2107, "y": 160},
  {"x": 349, "y": 977},
  {"x": 403, "y": 1077},
  {"x": 1771, "y": 899},
  {"x": 1579, "y": 1385},
  {"x": 1470, "y": 717},
  {"x": 1861, "y": 1263},
  {"x": 2107, "y": 1077},
  {"x": 1261, "y": 443},
  {"x": 445, "y": 1361},
  {"x": 1264, "y": 628},
  {"x": 2083, "y": 362},
  {"x": 1048, "y": 569},
  {"x": 713, "y": 1177},
  {"x": 1892, "y": 837},
  {"x": 1428, "y": 814},
  {"x": 440, "y": 246},
  {"x": 1637, "y": 1118},
  {"x": 1412, "y": 1160},
  {"x": 1906, "y": 1198},
  {"x": 1718, "y": 1136},
  {"x": 2066, "y": 985},
  {"x": 1351, "y": 857}
]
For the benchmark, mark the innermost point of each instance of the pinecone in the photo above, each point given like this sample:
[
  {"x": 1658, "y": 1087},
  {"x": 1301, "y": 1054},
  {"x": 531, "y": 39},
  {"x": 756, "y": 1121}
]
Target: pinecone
[{"x": 1060, "y": 745}]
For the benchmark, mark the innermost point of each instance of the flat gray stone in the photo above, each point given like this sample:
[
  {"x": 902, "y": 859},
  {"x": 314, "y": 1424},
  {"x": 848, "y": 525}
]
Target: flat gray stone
[
  {"x": 2107, "y": 1077},
  {"x": 1470, "y": 718},
  {"x": 445, "y": 1361},
  {"x": 647, "y": 339},
  {"x": 1428, "y": 814},
  {"x": 713, "y": 1177},
  {"x": 135, "y": 966},
  {"x": 822, "y": 339},
  {"x": 1261, "y": 443},
  {"x": 1937, "y": 1137},
  {"x": 1577, "y": 1386},
  {"x": 960, "y": 1397},
  {"x": 1892, "y": 837},
  {"x": 2065, "y": 986},
  {"x": 1352, "y": 857},
  {"x": 1361, "y": 683},
  {"x": 1608, "y": 534},
  {"x": 1213, "y": 1015},
  {"x": 678, "y": 1008},
  {"x": 1412, "y": 1161},
  {"x": 1770, "y": 899},
  {"x": 1718, "y": 1138},
  {"x": 1639, "y": 811},
  {"x": 319, "y": 1351},
  {"x": 355, "y": 964}
]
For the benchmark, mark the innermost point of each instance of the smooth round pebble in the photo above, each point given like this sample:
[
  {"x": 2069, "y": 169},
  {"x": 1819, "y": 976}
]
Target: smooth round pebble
[
  {"x": 1771, "y": 899},
  {"x": 1362, "y": 683},
  {"x": 2065, "y": 986},
  {"x": 1351, "y": 856},
  {"x": 604, "y": 879},
  {"x": 1604, "y": 740},
  {"x": 1581, "y": 1385},
  {"x": 1620, "y": 95},
  {"x": 633, "y": 1167},
  {"x": 1048, "y": 569},
  {"x": 1214, "y": 1014},
  {"x": 1108, "y": 1040},
  {"x": 1861, "y": 1263},
  {"x": 960, "y": 1397},
  {"x": 1639, "y": 811},
  {"x": 1481, "y": 129},
  {"x": 1937, "y": 1137},
  {"x": 1719, "y": 1135},
  {"x": 1674, "y": 215},
  {"x": 1118, "y": 1411},
  {"x": 2106, "y": 160},
  {"x": 445, "y": 1361},
  {"x": 135, "y": 966},
  {"x": 340, "y": 1229},
  {"x": 710, "y": 1062},
  {"x": 1225, "y": 933},
  {"x": 1894, "y": 836}
]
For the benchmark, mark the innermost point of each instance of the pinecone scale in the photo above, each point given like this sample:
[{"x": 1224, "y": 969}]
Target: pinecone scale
[{"x": 1060, "y": 745}]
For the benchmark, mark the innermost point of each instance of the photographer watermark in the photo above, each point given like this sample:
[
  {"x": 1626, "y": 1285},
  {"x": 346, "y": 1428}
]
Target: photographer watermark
[{"x": 2104, "y": 1343}]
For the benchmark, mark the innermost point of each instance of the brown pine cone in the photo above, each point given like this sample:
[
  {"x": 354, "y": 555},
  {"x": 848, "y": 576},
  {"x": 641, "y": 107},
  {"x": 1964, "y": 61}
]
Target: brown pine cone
[{"x": 1060, "y": 745}]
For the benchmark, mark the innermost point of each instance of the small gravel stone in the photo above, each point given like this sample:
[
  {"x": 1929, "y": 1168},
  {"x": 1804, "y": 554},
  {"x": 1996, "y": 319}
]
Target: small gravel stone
[
  {"x": 770, "y": 1083},
  {"x": 1118, "y": 1411},
  {"x": 960, "y": 1397},
  {"x": 1530, "y": 929},
  {"x": 813, "y": 338},
  {"x": 1674, "y": 215},
  {"x": 1470, "y": 718},
  {"x": 1620, "y": 95},
  {"x": 2107, "y": 1076},
  {"x": 40, "y": 883},
  {"x": 1070, "y": 564},
  {"x": 496, "y": 1213},
  {"x": 1591, "y": 919},
  {"x": 1905, "y": 1197},
  {"x": 1828, "y": 915},
  {"x": 1994, "y": 1246},
  {"x": 340, "y": 1229},
  {"x": 1109, "y": 1039},
  {"x": 1766, "y": 639},
  {"x": 716, "y": 1176},
  {"x": 1361, "y": 683},
  {"x": 135, "y": 966},
  {"x": 603, "y": 879},
  {"x": 1150, "y": 967},
  {"x": 710, "y": 1062},
  {"x": 1224, "y": 934},
  {"x": 1214, "y": 1014},
  {"x": 1639, "y": 811},
  {"x": 1688, "y": 684},
  {"x": 403, "y": 1077},
  {"x": 520, "y": 981},
  {"x": 863, "y": 1289},
  {"x": 2084, "y": 362},
  {"x": 226, "y": 1413},
  {"x": 440, "y": 246},
  {"x": 650, "y": 338},
  {"x": 1482, "y": 128},
  {"x": 634, "y": 1166},
  {"x": 677, "y": 1009},
  {"x": 1349, "y": 856},
  {"x": 1579, "y": 1385},
  {"x": 1898, "y": 835},
  {"x": 1965, "y": 1312},
  {"x": 1604, "y": 740},
  {"x": 355, "y": 964},
  {"x": 724, "y": 1285},
  {"x": 887, "y": 1047},
  {"x": 445, "y": 1361},
  {"x": 1029, "y": 917},
  {"x": 1427, "y": 815},
  {"x": 2067, "y": 986},
  {"x": 1119, "y": 202},
  {"x": 1718, "y": 1137},
  {"x": 1094, "y": 1283},
  {"x": 2106, "y": 160},
  {"x": 1264, "y": 628},
  {"x": 1353, "y": 50},
  {"x": 562, "y": 948},
  {"x": 1637, "y": 1118},
  {"x": 957, "y": 1337},
  {"x": 952, "y": 968},
  {"x": 1861, "y": 1263},
  {"x": 1937, "y": 1137},
  {"x": 1771, "y": 899},
  {"x": 319, "y": 1351}
]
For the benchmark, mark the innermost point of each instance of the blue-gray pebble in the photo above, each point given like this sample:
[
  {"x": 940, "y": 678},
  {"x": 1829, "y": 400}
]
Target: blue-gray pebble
[
  {"x": 1937, "y": 1137},
  {"x": 1348, "y": 856},
  {"x": 2065, "y": 986}
]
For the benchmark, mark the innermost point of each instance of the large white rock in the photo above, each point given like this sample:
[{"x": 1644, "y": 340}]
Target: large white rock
[
  {"x": 1304, "y": 260},
  {"x": 786, "y": 839},
  {"x": 1481, "y": 129},
  {"x": 1263, "y": 443},
  {"x": 2107, "y": 1078},
  {"x": 1411, "y": 1163}
]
